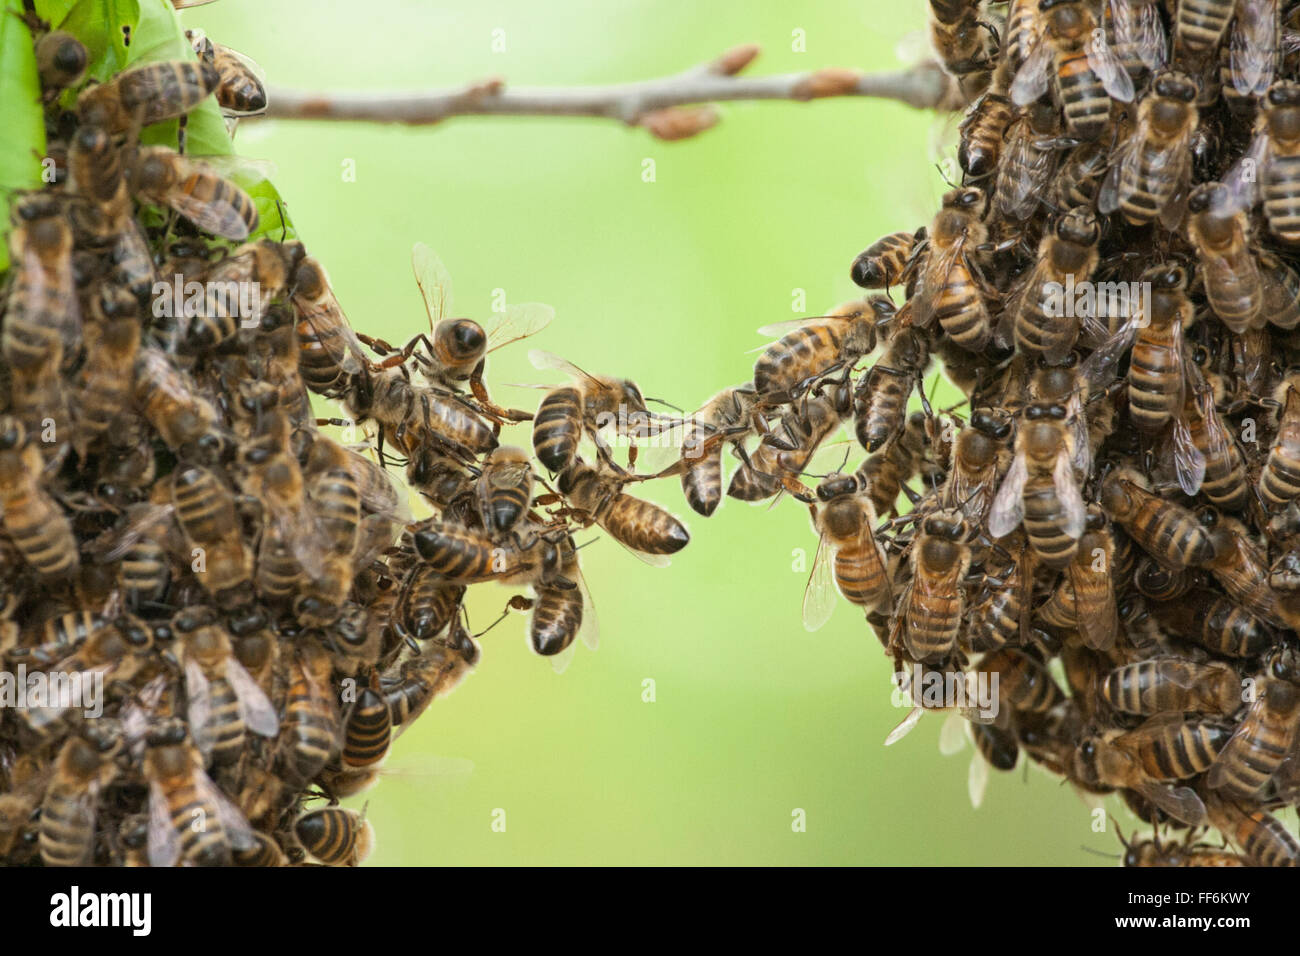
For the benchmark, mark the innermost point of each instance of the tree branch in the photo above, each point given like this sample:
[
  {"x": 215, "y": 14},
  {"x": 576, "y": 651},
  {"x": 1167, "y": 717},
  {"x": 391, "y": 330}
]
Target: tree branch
[{"x": 670, "y": 108}]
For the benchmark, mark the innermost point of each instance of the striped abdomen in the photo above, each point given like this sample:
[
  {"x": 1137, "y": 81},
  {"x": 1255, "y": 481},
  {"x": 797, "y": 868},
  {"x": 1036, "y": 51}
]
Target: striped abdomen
[
  {"x": 428, "y": 603},
  {"x": 860, "y": 573},
  {"x": 1045, "y": 523},
  {"x": 1259, "y": 834},
  {"x": 702, "y": 481},
  {"x": 67, "y": 829},
  {"x": 880, "y": 406},
  {"x": 223, "y": 734},
  {"x": 1145, "y": 186},
  {"x": 39, "y": 530},
  {"x": 367, "y": 731},
  {"x": 337, "y": 497},
  {"x": 1085, "y": 102},
  {"x": 457, "y": 554},
  {"x": 1200, "y": 24},
  {"x": 798, "y": 355},
  {"x": 1263, "y": 741},
  {"x": 1176, "y": 750},
  {"x": 1154, "y": 381},
  {"x": 932, "y": 624},
  {"x": 557, "y": 428},
  {"x": 311, "y": 729},
  {"x": 557, "y": 617},
  {"x": 1023, "y": 682},
  {"x": 203, "y": 844},
  {"x": 961, "y": 311},
  {"x": 1281, "y": 197},
  {"x": 1279, "y": 481}
]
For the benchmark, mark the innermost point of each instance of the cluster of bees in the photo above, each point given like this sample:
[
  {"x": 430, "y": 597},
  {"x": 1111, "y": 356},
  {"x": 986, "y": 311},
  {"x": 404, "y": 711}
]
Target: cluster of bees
[
  {"x": 1110, "y": 520},
  {"x": 258, "y": 609}
]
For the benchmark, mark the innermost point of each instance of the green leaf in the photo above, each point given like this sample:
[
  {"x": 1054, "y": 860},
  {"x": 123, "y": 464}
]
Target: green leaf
[{"x": 22, "y": 143}]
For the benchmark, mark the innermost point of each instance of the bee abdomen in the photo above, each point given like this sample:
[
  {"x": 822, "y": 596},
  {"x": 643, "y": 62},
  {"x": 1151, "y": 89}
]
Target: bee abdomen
[{"x": 556, "y": 428}]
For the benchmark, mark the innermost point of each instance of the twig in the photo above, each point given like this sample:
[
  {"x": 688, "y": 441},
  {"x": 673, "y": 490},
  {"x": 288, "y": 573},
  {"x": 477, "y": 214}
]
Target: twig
[{"x": 673, "y": 107}]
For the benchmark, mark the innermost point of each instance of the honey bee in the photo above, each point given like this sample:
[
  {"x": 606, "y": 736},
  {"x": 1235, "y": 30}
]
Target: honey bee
[
  {"x": 505, "y": 489},
  {"x": 847, "y": 552},
  {"x": 881, "y": 265},
  {"x": 1241, "y": 567},
  {"x": 1225, "y": 483},
  {"x": 886, "y": 473},
  {"x": 1001, "y": 616},
  {"x": 1150, "y": 174},
  {"x": 880, "y": 397},
  {"x": 240, "y": 91},
  {"x": 190, "y": 819},
  {"x": 367, "y": 730},
  {"x": 1022, "y": 30},
  {"x": 170, "y": 403},
  {"x": 1029, "y": 158},
  {"x": 224, "y": 701},
  {"x": 815, "y": 348},
  {"x": 1080, "y": 177},
  {"x": 1257, "y": 833},
  {"x": 1164, "y": 529},
  {"x": 1040, "y": 488},
  {"x": 1266, "y": 170},
  {"x": 310, "y": 730},
  {"x": 977, "y": 460},
  {"x": 1279, "y": 479},
  {"x": 1088, "y": 73},
  {"x": 104, "y": 381},
  {"x": 1023, "y": 682},
  {"x": 644, "y": 528},
  {"x": 934, "y": 602},
  {"x": 950, "y": 286},
  {"x": 334, "y": 836},
  {"x": 435, "y": 672},
  {"x": 962, "y": 42},
  {"x": 42, "y": 319},
  {"x": 83, "y": 767},
  {"x": 1220, "y": 234},
  {"x": 96, "y": 173},
  {"x": 982, "y": 132},
  {"x": 330, "y": 357},
  {"x": 427, "y": 603},
  {"x": 165, "y": 178},
  {"x": 30, "y": 517},
  {"x": 410, "y": 415},
  {"x": 727, "y": 415},
  {"x": 1165, "y": 748},
  {"x": 1160, "y": 685},
  {"x": 205, "y": 511},
  {"x": 465, "y": 556},
  {"x": 1281, "y": 291},
  {"x": 1087, "y": 592},
  {"x": 147, "y": 94},
  {"x": 1153, "y": 853},
  {"x": 1265, "y": 735},
  {"x": 61, "y": 61},
  {"x": 456, "y": 350},
  {"x": 1215, "y": 623},
  {"x": 265, "y": 852},
  {"x": 1067, "y": 256}
]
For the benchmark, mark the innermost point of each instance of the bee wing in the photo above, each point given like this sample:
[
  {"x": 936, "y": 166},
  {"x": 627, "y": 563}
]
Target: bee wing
[
  {"x": 654, "y": 560},
  {"x": 1033, "y": 76},
  {"x": 1108, "y": 195},
  {"x": 935, "y": 279},
  {"x": 434, "y": 281},
  {"x": 1189, "y": 463},
  {"x": 589, "y": 632},
  {"x": 1109, "y": 69},
  {"x": 218, "y": 217},
  {"x": 1009, "y": 505},
  {"x": 182, "y": 4},
  {"x": 905, "y": 726},
  {"x": 819, "y": 593},
  {"x": 257, "y": 711},
  {"x": 238, "y": 833},
  {"x": 328, "y": 314},
  {"x": 977, "y": 779},
  {"x": 952, "y": 735},
  {"x": 1067, "y": 492},
  {"x": 243, "y": 170},
  {"x": 1248, "y": 728},
  {"x": 1098, "y": 627},
  {"x": 1181, "y": 803},
  {"x": 199, "y": 693},
  {"x": 1174, "y": 210},
  {"x": 1252, "y": 46},
  {"x": 519, "y": 322},
  {"x": 164, "y": 843},
  {"x": 69, "y": 316},
  {"x": 777, "y": 329},
  {"x": 1018, "y": 196},
  {"x": 140, "y": 520},
  {"x": 542, "y": 359},
  {"x": 1139, "y": 25},
  {"x": 1242, "y": 180},
  {"x": 1100, "y": 368}
]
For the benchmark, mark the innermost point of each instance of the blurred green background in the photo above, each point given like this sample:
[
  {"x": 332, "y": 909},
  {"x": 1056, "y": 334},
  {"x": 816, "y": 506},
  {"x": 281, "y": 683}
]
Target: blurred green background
[{"x": 666, "y": 282}]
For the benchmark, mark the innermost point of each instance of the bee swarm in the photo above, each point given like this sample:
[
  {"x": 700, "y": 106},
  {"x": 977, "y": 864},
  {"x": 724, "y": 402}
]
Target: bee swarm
[{"x": 1113, "y": 287}]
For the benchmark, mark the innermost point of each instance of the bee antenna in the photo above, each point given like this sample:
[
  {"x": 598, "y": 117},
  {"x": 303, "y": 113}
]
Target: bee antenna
[{"x": 660, "y": 401}]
